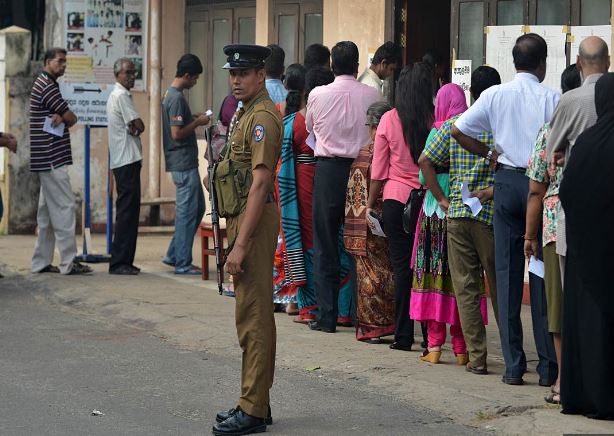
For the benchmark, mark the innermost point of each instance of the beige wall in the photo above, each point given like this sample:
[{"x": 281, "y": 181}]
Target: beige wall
[{"x": 360, "y": 21}]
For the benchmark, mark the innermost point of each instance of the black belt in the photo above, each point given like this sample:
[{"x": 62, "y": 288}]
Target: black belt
[
  {"x": 501, "y": 166},
  {"x": 336, "y": 158}
]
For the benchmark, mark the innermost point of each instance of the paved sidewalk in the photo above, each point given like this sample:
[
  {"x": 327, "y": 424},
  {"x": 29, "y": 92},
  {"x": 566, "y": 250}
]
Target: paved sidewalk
[{"x": 188, "y": 312}]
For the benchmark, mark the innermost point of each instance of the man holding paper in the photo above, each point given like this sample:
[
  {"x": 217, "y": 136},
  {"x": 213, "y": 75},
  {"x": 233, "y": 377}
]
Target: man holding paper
[
  {"x": 514, "y": 112},
  {"x": 50, "y": 155},
  {"x": 471, "y": 244}
]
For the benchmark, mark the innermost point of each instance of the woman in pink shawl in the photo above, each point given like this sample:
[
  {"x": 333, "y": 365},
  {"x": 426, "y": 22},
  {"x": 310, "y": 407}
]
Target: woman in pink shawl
[{"x": 432, "y": 294}]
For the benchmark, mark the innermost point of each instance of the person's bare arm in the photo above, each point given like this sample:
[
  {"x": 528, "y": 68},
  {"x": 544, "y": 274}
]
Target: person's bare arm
[
  {"x": 474, "y": 146},
  {"x": 375, "y": 187},
  {"x": 69, "y": 118},
  {"x": 136, "y": 127},
  {"x": 9, "y": 141},
  {"x": 537, "y": 191},
  {"x": 430, "y": 177},
  {"x": 180, "y": 133},
  {"x": 484, "y": 195},
  {"x": 256, "y": 200}
]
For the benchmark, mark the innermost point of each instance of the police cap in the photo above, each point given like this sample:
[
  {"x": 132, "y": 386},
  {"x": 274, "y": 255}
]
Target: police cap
[{"x": 245, "y": 56}]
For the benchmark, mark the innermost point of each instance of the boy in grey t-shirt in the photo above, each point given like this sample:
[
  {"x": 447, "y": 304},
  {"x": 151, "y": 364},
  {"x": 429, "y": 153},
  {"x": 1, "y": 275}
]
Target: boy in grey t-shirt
[{"x": 181, "y": 156}]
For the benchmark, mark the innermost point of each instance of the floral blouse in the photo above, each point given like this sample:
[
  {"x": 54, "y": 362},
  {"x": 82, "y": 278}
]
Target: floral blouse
[{"x": 542, "y": 171}]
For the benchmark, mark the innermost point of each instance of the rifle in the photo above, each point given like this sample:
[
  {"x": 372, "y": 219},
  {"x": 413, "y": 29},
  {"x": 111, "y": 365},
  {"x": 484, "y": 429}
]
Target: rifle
[{"x": 215, "y": 218}]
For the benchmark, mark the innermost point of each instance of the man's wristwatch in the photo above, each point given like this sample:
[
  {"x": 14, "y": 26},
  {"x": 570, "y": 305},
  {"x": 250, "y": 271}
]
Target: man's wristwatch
[{"x": 489, "y": 155}]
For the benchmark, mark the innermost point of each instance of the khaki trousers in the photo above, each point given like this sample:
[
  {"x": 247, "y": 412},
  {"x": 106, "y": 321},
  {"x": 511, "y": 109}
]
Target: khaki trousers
[
  {"x": 254, "y": 311},
  {"x": 471, "y": 251},
  {"x": 56, "y": 221}
]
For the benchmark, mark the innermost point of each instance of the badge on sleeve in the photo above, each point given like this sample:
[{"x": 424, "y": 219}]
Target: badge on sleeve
[{"x": 258, "y": 132}]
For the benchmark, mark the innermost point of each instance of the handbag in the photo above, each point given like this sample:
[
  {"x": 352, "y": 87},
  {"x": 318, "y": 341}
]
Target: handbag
[{"x": 411, "y": 212}]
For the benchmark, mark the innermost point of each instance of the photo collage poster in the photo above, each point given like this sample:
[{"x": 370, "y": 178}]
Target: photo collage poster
[{"x": 98, "y": 32}]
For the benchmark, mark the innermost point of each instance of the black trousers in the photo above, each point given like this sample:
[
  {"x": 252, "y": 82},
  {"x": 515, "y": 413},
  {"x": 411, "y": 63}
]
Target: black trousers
[
  {"x": 127, "y": 206},
  {"x": 511, "y": 191},
  {"x": 400, "y": 246},
  {"x": 329, "y": 191}
]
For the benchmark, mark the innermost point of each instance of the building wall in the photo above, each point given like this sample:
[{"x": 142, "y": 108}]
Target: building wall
[{"x": 362, "y": 22}]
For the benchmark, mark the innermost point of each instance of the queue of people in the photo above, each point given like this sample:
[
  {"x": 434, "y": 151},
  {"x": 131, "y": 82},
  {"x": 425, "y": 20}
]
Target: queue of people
[
  {"x": 380, "y": 215},
  {"x": 408, "y": 173}
]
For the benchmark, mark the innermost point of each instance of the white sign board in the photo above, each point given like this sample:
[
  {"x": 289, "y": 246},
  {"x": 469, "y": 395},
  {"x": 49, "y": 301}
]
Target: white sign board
[
  {"x": 556, "y": 38},
  {"x": 88, "y": 101},
  {"x": 579, "y": 33},
  {"x": 500, "y": 41},
  {"x": 461, "y": 75},
  {"x": 96, "y": 34}
]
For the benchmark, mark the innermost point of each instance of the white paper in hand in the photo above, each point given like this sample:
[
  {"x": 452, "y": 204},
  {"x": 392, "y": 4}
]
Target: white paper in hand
[
  {"x": 536, "y": 267},
  {"x": 311, "y": 141},
  {"x": 57, "y": 131},
  {"x": 473, "y": 202},
  {"x": 377, "y": 227}
]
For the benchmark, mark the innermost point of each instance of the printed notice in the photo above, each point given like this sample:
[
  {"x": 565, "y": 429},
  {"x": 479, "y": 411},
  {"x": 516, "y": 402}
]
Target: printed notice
[
  {"x": 580, "y": 33},
  {"x": 556, "y": 38},
  {"x": 98, "y": 32},
  {"x": 461, "y": 76},
  {"x": 500, "y": 41}
]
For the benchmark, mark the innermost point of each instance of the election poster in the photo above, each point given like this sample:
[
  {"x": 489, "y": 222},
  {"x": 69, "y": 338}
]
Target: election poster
[{"x": 97, "y": 33}]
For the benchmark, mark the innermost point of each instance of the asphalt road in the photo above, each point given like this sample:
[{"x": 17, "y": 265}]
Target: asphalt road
[{"x": 56, "y": 367}]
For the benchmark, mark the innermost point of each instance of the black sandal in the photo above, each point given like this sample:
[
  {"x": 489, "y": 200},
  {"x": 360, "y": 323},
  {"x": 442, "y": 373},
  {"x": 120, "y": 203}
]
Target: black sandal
[
  {"x": 50, "y": 269},
  {"x": 550, "y": 398},
  {"x": 396, "y": 345},
  {"x": 79, "y": 268}
]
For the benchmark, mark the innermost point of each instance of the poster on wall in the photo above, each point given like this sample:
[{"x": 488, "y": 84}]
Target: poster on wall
[
  {"x": 461, "y": 76},
  {"x": 579, "y": 33},
  {"x": 556, "y": 38},
  {"x": 500, "y": 41},
  {"x": 96, "y": 34}
]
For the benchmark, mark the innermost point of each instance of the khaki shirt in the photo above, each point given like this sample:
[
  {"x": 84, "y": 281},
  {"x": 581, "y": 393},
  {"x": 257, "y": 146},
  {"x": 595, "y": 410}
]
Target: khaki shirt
[{"x": 258, "y": 134}]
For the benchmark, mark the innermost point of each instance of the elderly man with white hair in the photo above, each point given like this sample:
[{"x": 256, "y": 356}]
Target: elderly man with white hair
[{"x": 125, "y": 150}]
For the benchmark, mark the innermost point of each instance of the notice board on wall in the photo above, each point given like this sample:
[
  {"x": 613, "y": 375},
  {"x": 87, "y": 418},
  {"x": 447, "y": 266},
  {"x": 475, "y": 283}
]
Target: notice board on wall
[{"x": 96, "y": 34}]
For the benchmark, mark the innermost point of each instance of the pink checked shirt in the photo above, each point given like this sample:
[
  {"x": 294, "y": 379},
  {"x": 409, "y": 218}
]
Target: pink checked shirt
[
  {"x": 337, "y": 114},
  {"x": 392, "y": 161}
]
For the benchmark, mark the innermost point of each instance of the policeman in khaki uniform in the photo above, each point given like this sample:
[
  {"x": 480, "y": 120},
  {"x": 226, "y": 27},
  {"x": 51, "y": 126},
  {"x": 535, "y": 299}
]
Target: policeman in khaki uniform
[{"x": 250, "y": 161}]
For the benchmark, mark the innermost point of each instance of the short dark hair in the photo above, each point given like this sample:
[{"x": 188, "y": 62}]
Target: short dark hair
[
  {"x": 51, "y": 53},
  {"x": 274, "y": 64},
  {"x": 530, "y": 50},
  {"x": 316, "y": 55},
  {"x": 344, "y": 57},
  {"x": 389, "y": 52},
  {"x": 570, "y": 78},
  {"x": 317, "y": 76},
  {"x": 433, "y": 58},
  {"x": 189, "y": 64},
  {"x": 483, "y": 78}
]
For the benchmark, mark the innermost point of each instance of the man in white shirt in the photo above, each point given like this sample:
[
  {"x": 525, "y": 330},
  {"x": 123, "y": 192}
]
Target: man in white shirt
[
  {"x": 385, "y": 62},
  {"x": 125, "y": 150},
  {"x": 514, "y": 112}
]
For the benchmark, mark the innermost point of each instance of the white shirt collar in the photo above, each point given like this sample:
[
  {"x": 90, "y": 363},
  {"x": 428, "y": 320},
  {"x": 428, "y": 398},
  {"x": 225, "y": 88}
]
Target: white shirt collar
[{"x": 527, "y": 76}]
